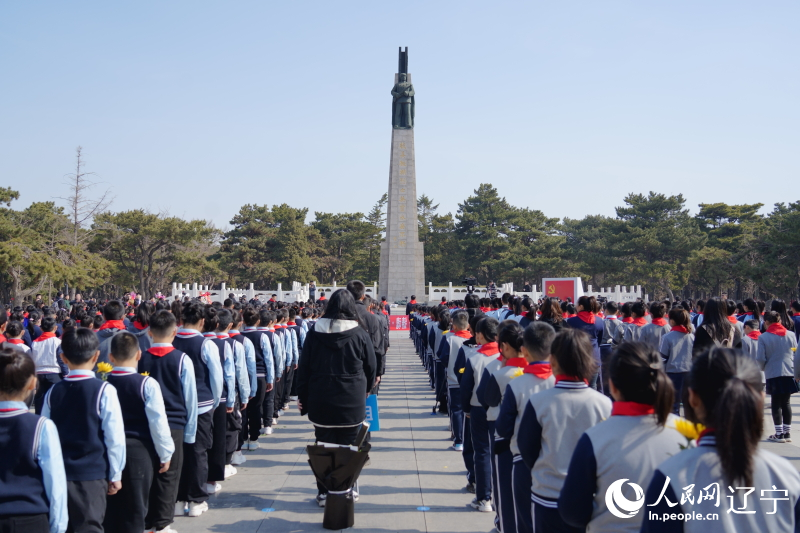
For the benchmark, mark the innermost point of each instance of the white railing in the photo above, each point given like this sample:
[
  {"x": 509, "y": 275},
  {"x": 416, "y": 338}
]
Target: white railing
[
  {"x": 299, "y": 292},
  {"x": 619, "y": 293}
]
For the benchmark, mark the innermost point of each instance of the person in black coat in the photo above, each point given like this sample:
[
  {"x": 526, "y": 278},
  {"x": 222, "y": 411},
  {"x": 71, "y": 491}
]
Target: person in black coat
[
  {"x": 335, "y": 374},
  {"x": 370, "y": 323}
]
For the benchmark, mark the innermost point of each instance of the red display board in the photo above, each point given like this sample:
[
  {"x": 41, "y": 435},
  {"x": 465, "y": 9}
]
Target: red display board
[
  {"x": 399, "y": 323},
  {"x": 561, "y": 289}
]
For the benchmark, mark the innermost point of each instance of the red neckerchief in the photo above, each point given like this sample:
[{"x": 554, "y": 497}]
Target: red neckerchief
[
  {"x": 234, "y": 334},
  {"x": 586, "y": 316},
  {"x": 795, "y": 314},
  {"x": 384, "y": 312},
  {"x": 601, "y": 315},
  {"x": 209, "y": 334},
  {"x": 519, "y": 362},
  {"x": 538, "y": 369},
  {"x": 610, "y": 317},
  {"x": 732, "y": 319},
  {"x": 659, "y": 321},
  {"x": 639, "y": 322},
  {"x": 25, "y": 315},
  {"x": 564, "y": 377},
  {"x": 627, "y": 320},
  {"x": 291, "y": 324},
  {"x": 680, "y": 329},
  {"x": 15, "y": 341},
  {"x": 138, "y": 325},
  {"x": 464, "y": 334},
  {"x": 707, "y": 431},
  {"x": 112, "y": 324},
  {"x": 488, "y": 349},
  {"x": 412, "y": 302},
  {"x": 777, "y": 329},
  {"x": 567, "y": 315},
  {"x": 2, "y": 338},
  {"x": 631, "y": 409},
  {"x": 161, "y": 351},
  {"x": 46, "y": 335},
  {"x": 755, "y": 334}
]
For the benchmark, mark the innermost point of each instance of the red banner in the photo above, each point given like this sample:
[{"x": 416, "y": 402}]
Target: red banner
[
  {"x": 560, "y": 289},
  {"x": 399, "y": 323}
]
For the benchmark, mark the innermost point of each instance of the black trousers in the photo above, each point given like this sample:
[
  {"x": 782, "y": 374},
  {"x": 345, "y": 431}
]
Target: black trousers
[
  {"x": 251, "y": 415},
  {"x": 126, "y": 510},
  {"x": 194, "y": 474},
  {"x": 86, "y": 505},
  {"x": 45, "y": 382},
  {"x": 164, "y": 490},
  {"x": 268, "y": 407},
  {"x": 345, "y": 436},
  {"x": 288, "y": 379},
  {"x": 233, "y": 430},
  {"x": 219, "y": 444},
  {"x": 277, "y": 394},
  {"x": 32, "y": 523}
]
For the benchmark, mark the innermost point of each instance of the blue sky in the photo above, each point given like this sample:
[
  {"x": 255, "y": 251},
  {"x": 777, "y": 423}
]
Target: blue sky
[{"x": 196, "y": 108}]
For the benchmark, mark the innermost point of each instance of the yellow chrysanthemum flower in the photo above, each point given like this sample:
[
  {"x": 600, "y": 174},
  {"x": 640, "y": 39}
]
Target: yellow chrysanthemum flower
[
  {"x": 145, "y": 373},
  {"x": 104, "y": 368},
  {"x": 517, "y": 373},
  {"x": 688, "y": 429},
  {"x": 461, "y": 370}
]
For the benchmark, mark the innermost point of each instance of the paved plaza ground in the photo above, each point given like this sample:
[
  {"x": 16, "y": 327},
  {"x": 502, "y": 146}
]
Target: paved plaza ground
[{"x": 412, "y": 466}]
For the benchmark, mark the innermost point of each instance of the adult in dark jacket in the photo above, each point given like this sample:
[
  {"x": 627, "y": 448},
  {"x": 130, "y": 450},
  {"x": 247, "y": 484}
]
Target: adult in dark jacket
[
  {"x": 371, "y": 324},
  {"x": 335, "y": 373}
]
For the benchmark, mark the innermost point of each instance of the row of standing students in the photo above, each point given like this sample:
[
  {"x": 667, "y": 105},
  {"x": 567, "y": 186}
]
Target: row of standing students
[
  {"x": 549, "y": 448},
  {"x": 151, "y": 439}
]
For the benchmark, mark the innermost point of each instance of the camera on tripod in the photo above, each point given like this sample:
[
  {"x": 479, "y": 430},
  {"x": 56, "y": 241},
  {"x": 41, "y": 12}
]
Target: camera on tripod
[{"x": 470, "y": 283}]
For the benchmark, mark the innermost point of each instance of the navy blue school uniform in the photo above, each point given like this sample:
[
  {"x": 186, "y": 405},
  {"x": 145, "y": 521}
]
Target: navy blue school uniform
[
  {"x": 593, "y": 326},
  {"x": 33, "y": 485}
]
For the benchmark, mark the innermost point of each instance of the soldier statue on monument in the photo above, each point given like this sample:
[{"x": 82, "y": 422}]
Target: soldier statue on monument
[{"x": 403, "y": 103}]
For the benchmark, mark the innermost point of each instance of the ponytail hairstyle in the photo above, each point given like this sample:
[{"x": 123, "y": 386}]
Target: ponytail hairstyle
[
  {"x": 16, "y": 370},
  {"x": 637, "y": 308},
  {"x": 658, "y": 309},
  {"x": 444, "y": 318},
  {"x": 487, "y": 326},
  {"x": 637, "y": 371},
  {"x": 573, "y": 353},
  {"x": 527, "y": 303},
  {"x": 751, "y": 306},
  {"x": 729, "y": 386},
  {"x": 779, "y": 306},
  {"x": 681, "y": 318},
  {"x": 771, "y": 317},
  {"x": 511, "y": 334},
  {"x": 212, "y": 319}
]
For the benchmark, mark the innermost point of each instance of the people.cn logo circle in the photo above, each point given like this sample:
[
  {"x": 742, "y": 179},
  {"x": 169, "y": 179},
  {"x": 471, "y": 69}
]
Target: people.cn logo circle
[{"x": 621, "y": 506}]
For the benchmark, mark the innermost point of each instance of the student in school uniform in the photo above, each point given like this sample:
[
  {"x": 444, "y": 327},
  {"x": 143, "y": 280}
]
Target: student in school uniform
[
  {"x": 738, "y": 327},
  {"x": 631, "y": 444},
  {"x": 14, "y": 340},
  {"x": 50, "y": 367},
  {"x": 750, "y": 339},
  {"x": 725, "y": 396},
  {"x": 173, "y": 370},
  {"x": 448, "y": 352},
  {"x": 634, "y": 330},
  {"x": 796, "y": 319},
  {"x": 652, "y": 333},
  {"x": 494, "y": 384},
  {"x": 113, "y": 315},
  {"x": 88, "y": 416},
  {"x": 241, "y": 387},
  {"x": 586, "y": 320},
  {"x": 553, "y": 422},
  {"x": 217, "y": 454},
  {"x": 148, "y": 442},
  {"x": 676, "y": 348},
  {"x": 33, "y": 492},
  {"x": 255, "y": 341},
  {"x": 536, "y": 376},
  {"x": 141, "y": 323},
  {"x": 246, "y": 383},
  {"x": 441, "y": 329},
  {"x": 276, "y": 345},
  {"x": 205, "y": 357},
  {"x": 486, "y": 355},
  {"x": 778, "y": 358},
  {"x": 625, "y": 320},
  {"x": 299, "y": 339}
]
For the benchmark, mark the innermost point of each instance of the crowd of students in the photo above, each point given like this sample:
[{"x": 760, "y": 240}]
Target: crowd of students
[
  {"x": 567, "y": 415},
  {"x": 140, "y": 412}
]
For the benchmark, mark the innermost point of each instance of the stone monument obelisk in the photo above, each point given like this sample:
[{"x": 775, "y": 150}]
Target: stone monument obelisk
[{"x": 402, "y": 271}]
